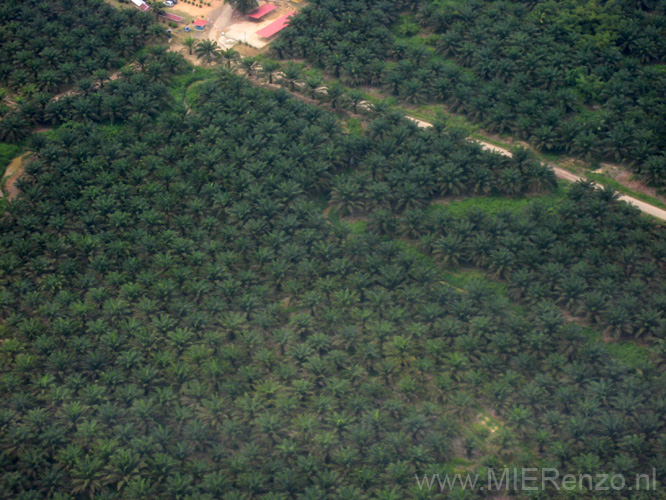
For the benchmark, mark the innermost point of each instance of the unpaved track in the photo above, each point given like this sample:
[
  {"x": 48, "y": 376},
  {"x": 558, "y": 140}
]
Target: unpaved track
[
  {"x": 563, "y": 174},
  {"x": 11, "y": 176}
]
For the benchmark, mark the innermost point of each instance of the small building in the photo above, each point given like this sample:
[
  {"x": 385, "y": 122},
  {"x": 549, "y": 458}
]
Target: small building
[
  {"x": 200, "y": 24},
  {"x": 141, "y": 5},
  {"x": 276, "y": 26},
  {"x": 260, "y": 12}
]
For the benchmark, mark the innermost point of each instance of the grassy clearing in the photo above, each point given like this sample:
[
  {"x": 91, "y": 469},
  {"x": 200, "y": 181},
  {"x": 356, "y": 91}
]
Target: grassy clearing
[
  {"x": 358, "y": 226},
  {"x": 634, "y": 355},
  {"x": 354, "y": 127},
  {"x": 630, "y": 353},
  {"x": 181, "y": 83},
  {"x": 497, "y": 204},
  {"x": 462, "y": 278},
  {"x": 120, "y": 5}
]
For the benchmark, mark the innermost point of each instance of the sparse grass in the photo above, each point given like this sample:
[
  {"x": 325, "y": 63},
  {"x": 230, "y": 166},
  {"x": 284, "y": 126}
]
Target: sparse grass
[
  {"x": 496, "y": 204},
  {"x": 358, "y": 226},
  {"x": 460, "y": 278},
  {"x": 494, "y": 142},
  {"x": 192, "y": 92},
  {"x": 631, "y": 353},
  {"x": 354, "y": 127},
  {"x": 120, "y": 5},
  {"x": 432, "y": 112}
]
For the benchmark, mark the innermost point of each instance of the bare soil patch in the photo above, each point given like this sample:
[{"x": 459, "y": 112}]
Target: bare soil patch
[
  {"x": 190, "y": 12},
  {"x": 12, "y": 174}
]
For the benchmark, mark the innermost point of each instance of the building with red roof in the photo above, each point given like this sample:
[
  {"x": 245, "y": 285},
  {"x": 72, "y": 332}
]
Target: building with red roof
[
  {"x": 276, "y": 26},
  {"x": 172, "y": 17},
  {"x": 260, "y": 12}
]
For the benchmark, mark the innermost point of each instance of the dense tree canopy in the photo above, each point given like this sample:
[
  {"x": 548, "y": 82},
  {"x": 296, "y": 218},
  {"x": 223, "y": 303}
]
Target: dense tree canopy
[
  {"x": 211, "y": 291},
  {"x": 48, "y": 47},
  {"x": 580, "y": 77},
  {"x": 181, "y": 320}
]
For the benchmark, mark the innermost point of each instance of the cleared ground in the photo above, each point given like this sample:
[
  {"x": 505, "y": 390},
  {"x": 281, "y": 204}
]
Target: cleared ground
[
  {"x": 12, "y": 174},
  {"x": 191, "y": 12},
  {"x": 245, "y": 31}
]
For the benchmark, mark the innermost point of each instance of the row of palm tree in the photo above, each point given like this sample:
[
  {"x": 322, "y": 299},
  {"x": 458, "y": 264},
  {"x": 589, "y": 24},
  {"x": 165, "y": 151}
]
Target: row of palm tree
[
  {"x": 49, "y": 47},
  {"x": 596, "y": 259},
  {"x": 99, "y": 99},
  {"x": 532, "y": 71},
  {"x": 182, "y": 321},
  {"x": 42, "y": 56}
]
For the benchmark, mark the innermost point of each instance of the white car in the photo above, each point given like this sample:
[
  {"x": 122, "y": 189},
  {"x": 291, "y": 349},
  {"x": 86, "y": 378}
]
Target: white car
[{"x": 170, "y": 3}]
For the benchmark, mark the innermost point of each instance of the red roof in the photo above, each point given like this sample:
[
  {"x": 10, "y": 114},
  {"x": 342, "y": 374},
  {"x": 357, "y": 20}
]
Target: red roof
[
  {"x": 277, "y": 25},
  {"x": 200, "y": 22},
  {"x": 261, "y": 11},
  {"x": 144, "y": 7},
  {"x": 172, "y": 17}
]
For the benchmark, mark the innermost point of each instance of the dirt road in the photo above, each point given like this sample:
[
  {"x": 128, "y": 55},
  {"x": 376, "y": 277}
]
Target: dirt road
[
  {"x": 563, "y": 174},
  {"x": 11, "y": 176}
]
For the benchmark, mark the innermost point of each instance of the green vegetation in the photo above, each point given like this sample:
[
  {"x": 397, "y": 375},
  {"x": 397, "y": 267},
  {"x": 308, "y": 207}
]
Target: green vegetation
[
  {"x": 7, "y": 153},
  {"x": 244, "y": 6},
  {"x": 607, "y": 181},
  {"x": 191, "y": 324},
  {"x": 48, "y": 47},
  {"x": 210, "y": 290},
  {"x": 491, "y": 205},
  {"x": 181, "y": 83},
  {"x": 600, "y": 263},
  {"x": 584, "y": 78}
]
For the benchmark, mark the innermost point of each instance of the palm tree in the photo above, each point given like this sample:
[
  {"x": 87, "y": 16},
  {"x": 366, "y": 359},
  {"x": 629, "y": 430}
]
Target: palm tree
[
  {"x": 312, "y": 83},
  {"x": 269, "y": 67},
  {"x": 14, "y": 128},
  {"x": 230, "y": 55},
  {"x": 86, "y": 476},
  {"x": 248, "y": 63},
  {"x": 510, "y": 181},
  {"x": 449, "y": 249},
  {"x": 355, "y": 97},
  {"x": 244, "y": 6},
  {"x": 207, "y": 51},
  {"x": 346, "y": 196},
  {"x": 158, "y": 8},
  {"x": 451, "y": 179},
  {"x": 190, "y": 42},
  {"x": 335, "y": 94},
  {"x": 292, "y": 74}
]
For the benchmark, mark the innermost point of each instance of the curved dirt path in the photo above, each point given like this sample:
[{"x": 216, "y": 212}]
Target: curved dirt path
[
  {"x": 563, "y": 174},
  {"x": 11, "y": 176}
]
